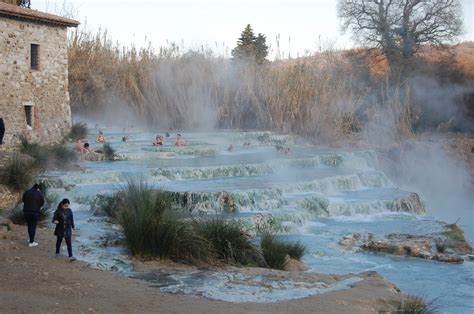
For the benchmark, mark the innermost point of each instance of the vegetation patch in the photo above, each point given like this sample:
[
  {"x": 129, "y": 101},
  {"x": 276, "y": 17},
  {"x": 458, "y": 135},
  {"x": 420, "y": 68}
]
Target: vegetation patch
[
  {"x": 413, "y": 304},
  {"x": 78, "y": 131},
  {"x": 275, "y": 251},
  {"x": 230, "y": 242},
  {"x": 109, "y": 152},
  {"x": 153, "y": 230},
  {"x": 47, "y": 156},
  {"x": 18, "y": 173},
  {"x": 107, "y": 204},
  {"x": 17, "y": 217}
]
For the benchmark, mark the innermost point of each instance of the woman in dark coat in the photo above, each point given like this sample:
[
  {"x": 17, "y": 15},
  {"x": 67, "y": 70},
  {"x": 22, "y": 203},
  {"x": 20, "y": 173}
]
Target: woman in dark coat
[{"x": 64, "y": 221}]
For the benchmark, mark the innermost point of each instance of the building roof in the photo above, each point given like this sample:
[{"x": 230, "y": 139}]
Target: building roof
[{"x": 17, "y": 12}]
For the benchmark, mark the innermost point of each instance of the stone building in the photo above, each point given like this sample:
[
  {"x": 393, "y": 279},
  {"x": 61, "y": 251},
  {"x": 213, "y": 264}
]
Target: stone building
[{"x": 34, "y": 97}]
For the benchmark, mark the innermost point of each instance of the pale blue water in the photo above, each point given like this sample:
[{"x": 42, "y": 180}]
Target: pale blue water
[{"x": 275, "y": 184}]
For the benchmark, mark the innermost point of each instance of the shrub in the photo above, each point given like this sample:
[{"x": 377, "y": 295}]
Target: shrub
[
  {"x": 39, "y": 153},
  {"x": 275, "y": 251},
  {"x": 296, "y": 250},
  {"x": 62, "y": 155},
  {"x": 58, "y": 155},
  {"x": 455, "y": 233},
  {"x": 18, "y": 173},
  {"x": 108, "y": 204},
  {"x": 229, "y": 241},
  {"x": 78, "y": 131},
  {"x": 153, "y": 230},
  {"x": 413, "y": 305},
  {"x": 109, "y": 152},
  {"x": 17, "y": 217}
]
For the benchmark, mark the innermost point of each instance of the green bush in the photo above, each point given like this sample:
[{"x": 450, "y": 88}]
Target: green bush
[
  {"x": 54, "y": 156},
  {"x": 17, "y": 217},
  {"x": 107, "y": 204},
  {"x": 275, "y": 251},
  {"x": 109, "y": 152},
  {"x": 39, "y": 153},
  {"x": 18, "y": 173},
  {"x": 78, "y": 131},
  {"x": 62, "y": 156},
  {"x": 229, "y": 241},
  {"x": 153, "y": 230}
]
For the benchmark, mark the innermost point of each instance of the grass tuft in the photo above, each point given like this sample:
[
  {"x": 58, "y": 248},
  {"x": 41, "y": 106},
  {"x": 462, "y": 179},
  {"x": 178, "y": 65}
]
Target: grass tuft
[
  {"x": 454, "y": 232},
  {"x": 78, "y": 131},
  {"x": 275, "y": 252},
  {"x": 413, "y": 304},
  {"x": 109, "y": 152},
  {"x": 62, "y": 156},
  {"x": 53, "y": 156},
  {"x": 39, "y": 153},
  {"x": 153, "y": 230},
  {"x": 107, "y": 204},
  {"x": 18, "y": 173},
  {"x": 229, "y": 240}
]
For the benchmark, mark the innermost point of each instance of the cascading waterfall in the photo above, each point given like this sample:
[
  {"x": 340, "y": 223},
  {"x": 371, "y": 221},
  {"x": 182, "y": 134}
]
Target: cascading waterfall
[{"x": 313, "y": 195}]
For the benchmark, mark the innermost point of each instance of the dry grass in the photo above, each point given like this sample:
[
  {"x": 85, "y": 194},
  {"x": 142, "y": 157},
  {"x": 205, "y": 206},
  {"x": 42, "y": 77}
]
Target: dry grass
[{"x": 329, "y": 96}]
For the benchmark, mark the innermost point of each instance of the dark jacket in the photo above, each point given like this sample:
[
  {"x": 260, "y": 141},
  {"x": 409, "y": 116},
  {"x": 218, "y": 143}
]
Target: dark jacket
[
  {"x": 32, "y": 201},
  {"x": 2, "y": 130},
  {"x": 66, "y": 222}
]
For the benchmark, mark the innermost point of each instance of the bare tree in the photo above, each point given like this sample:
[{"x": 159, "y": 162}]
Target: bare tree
[{"x": 400, "y": 27}]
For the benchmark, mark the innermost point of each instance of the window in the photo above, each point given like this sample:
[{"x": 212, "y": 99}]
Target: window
[
  {"x": 34, "y": 57},
  {"x": 29, "y": 116}
]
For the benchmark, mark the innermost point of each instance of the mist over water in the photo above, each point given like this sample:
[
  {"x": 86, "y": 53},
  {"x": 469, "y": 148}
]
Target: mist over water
[
  {"x": 316, "y": 193},
  {"x": 443, "y": 182}
]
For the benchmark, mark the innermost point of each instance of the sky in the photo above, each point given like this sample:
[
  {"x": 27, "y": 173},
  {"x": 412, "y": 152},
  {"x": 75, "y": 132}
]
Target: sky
[{"x": 293, "y": 27}]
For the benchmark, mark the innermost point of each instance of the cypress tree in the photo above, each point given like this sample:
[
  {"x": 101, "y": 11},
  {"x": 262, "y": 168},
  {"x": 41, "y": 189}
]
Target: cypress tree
[{"x": 250, "y": 48}]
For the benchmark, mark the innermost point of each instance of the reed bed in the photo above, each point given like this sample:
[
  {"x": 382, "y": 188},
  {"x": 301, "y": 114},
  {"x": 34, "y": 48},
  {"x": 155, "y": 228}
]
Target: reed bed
[{"x": 326, "y": 97}]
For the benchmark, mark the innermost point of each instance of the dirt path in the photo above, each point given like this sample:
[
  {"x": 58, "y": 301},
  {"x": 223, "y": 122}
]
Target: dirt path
[{"x": 32, "y": 280}]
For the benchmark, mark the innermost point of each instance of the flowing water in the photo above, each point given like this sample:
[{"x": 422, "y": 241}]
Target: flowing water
[{"x": 315, "y": 195}]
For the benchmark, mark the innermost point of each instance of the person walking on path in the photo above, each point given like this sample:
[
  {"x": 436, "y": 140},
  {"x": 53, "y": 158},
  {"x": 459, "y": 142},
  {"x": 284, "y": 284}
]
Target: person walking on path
[
  {"x": 64, "y": 221},
  {"x": 2, "y": 131},
  {"x": 32, "y": 201}
]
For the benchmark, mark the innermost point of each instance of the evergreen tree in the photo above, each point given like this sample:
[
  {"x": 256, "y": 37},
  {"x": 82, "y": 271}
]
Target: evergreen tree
[
  {"x": 261, "y": 48},
  {"x": 250, "y": 48}
]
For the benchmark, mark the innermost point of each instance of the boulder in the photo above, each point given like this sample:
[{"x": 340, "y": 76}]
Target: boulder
[
  {"x": 294, "y": 265},
  {"x": 408, "y": 245},
  {"x": 456, "y": 259}
]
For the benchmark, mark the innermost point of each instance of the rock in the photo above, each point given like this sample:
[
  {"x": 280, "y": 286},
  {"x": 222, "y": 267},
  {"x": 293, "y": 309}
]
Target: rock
[
  {"x": 294, "y": 265},
  {"x": 409, "y": 204},
  {"x": 470, "y": 257},
  {"x": 457, "y": 240},
  {"x": 94, "y": 157},
  {"x": 347, "y": 242},
  {"x": 456, "y": 259},
  {"x": 412, "y": 246}
]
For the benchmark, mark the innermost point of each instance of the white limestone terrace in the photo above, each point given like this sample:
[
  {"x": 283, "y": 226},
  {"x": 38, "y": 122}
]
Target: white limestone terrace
[{"x": 314, "y": 195}]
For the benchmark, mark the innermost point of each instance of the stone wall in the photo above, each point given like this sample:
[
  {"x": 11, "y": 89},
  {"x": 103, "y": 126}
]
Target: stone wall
[{"x": 45, "y": 89}]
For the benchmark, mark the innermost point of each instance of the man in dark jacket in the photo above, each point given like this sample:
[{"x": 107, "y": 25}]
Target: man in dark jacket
[
  {"x": 2, "y": 131},
  {"x": 32, "y": 202}
]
